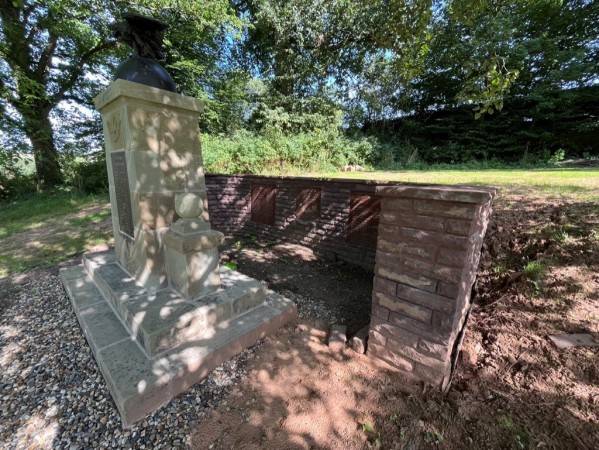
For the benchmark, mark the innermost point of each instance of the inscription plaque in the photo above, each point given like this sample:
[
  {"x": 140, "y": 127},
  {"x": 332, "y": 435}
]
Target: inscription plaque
[
  {"x": 307, "y": 204},
  {"x": 122, "y": 192}
]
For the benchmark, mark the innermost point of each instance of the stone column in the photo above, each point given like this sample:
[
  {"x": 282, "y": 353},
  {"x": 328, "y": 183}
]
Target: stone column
[
  {"x": 427, "y": 257},
  {"x": 152, "y": 153}
]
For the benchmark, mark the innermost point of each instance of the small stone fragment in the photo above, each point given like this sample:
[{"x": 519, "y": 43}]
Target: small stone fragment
[
  {"x": 358, "y": 342},
  {"x": 574, "y": 340},
  {"x": 337, "y": 338}
]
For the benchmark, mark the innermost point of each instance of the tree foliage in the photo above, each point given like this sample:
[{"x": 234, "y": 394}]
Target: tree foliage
[
  {"x": 59, "y": 50},
  {"x": 279, "y": 69}
]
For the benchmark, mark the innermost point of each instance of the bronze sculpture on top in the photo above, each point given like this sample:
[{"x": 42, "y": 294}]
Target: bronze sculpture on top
[{"x": 144, "y": 35}]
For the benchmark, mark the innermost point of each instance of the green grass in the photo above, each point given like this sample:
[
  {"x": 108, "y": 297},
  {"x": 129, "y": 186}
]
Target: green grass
[
  {"x": 24, "y": 246},
  {"x": 45, "y": 229},
  {"x": 533, "y": 270},
  {"x": 581, "y": 183},
  {"x": 33, "y": 212}
]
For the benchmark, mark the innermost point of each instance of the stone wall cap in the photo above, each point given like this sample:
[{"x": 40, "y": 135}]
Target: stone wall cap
[
  {"x": 124, "y": 88},
  {"x": 452, "y": 193},
  {"x": 480, "y": 194}
]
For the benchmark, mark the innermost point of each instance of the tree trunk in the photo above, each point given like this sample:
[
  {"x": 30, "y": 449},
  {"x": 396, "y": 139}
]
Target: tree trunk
[{"x": 39, "y": 132}]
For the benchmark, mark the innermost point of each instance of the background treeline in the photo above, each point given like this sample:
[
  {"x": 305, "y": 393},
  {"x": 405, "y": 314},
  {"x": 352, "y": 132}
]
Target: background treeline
[
  {"x": 309, "y": 85},
  {"x": 527, "y": 131}
]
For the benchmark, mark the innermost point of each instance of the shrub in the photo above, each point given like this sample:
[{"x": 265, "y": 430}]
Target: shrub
[
  {"x": 17, "y": 175},
  {"x": 275, "y": 152},
  {"x": 87, "y": 175}
]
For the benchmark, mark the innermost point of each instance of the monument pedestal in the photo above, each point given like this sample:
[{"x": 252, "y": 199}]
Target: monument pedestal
[{"x": 158, "y": 311}]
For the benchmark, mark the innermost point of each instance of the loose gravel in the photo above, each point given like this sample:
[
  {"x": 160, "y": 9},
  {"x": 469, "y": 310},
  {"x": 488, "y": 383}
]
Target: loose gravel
[{"x": 52, "y": 394}]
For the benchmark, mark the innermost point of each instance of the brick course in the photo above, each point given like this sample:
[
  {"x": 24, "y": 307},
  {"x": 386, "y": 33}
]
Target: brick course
[{"x": 324, "y": 230}]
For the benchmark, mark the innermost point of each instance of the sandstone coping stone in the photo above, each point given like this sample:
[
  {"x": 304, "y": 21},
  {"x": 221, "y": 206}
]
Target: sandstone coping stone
[
  {"x": 454, "y": 193},
  {"x": 129, "y": 89}
]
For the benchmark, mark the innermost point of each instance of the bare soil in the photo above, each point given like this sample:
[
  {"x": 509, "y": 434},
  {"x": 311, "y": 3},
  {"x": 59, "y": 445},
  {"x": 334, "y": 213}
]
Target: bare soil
[{"x": 513, "y": 389}]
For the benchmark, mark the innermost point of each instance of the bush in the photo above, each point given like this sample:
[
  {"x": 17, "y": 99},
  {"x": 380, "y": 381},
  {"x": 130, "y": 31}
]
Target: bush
[
  {"x": 87, "y": 175},
  {"x": 247, "y": 152},
  {"x": 17, "y": 175}
]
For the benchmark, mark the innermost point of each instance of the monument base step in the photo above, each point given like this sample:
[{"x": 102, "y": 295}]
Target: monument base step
[
  {"x": 162, "y": 320},
  {"x": 140, "y": 383}
]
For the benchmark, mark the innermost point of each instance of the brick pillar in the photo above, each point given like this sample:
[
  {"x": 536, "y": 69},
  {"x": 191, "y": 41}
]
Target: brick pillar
[{"x": 427, "y": 257}]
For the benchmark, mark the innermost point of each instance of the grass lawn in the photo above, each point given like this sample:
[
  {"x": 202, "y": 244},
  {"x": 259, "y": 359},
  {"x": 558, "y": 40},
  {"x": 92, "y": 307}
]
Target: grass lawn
[
  {"x": 41, "y": 230},
  {"x": 583, "y": 184}
]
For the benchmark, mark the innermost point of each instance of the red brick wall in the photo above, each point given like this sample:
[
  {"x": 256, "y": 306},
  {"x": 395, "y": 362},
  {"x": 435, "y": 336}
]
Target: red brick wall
[
  {"x": 426, "y": 239},
  {"x": 300, "y": 215}
]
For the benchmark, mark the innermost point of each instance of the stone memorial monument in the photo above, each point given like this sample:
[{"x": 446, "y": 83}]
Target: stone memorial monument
[{"x": 158, "y": 311}]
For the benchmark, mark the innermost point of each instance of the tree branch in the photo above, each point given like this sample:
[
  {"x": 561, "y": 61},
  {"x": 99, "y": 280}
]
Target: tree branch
[
  {"x": 43, "y": 66},
  {"x": 76, "y": 70},
  {"x": 17, "y": 53}
]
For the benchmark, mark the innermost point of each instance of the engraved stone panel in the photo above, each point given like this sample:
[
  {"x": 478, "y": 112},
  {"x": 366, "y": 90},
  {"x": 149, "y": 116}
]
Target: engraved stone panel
[
  {"x": 263, "y": 204},
  {"x": 363, "y": 221},
  {"x": 307, "y": 204},
  {"x": 123, "y": 194},
  {"x": 115, "y": 130}
]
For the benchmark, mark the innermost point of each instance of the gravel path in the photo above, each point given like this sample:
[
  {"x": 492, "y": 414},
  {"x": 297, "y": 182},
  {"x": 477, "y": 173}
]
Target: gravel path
[{"x": 52, "y": 394}]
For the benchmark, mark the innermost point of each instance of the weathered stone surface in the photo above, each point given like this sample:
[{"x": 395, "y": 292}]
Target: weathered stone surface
[
  {"x": 358, "y": 341},
  {"x": 122, "y": 88},
  {"x": 409, "y": 309},
  {"x": 405, "y": 205},
  {"x": 192, "y": 261},
  {"x": 115, "y": 284},
  {"x": 411, "y": 279},
  {"x": 384, "y": 285},
  {"x": 459, "y": 227},
  {"x": 337, "y": 338},
  {"x": 452, "y": 257},
  {"x": 189, "y": 226},
  {"x": 162, "y": 321},
  {"x": 377, "y": 338},
  {"x": 416, "y": 319},
  {"x": 390, "y": 330},
  {"x": 139, "y": 384},
  {"x": 390, "y": 357},
  {"x": 445, "y": 209},
  {"x": 436, "y": 349},
  {"x": 193, "y": 242},
  {"x": 466, "y": 194}
]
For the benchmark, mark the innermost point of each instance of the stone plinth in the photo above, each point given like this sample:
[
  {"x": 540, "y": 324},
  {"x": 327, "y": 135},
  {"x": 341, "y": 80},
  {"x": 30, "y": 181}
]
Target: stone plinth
[
  {"x": 428, "y": 251},
  {"x": 152, "y": 346},
  {"x": 153, "y": 153},
  {"x": 192, "y": 261}
]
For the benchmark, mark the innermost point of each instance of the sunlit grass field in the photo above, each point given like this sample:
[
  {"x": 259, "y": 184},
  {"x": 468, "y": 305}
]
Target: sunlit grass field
[{"x": 582, "y": 184}]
